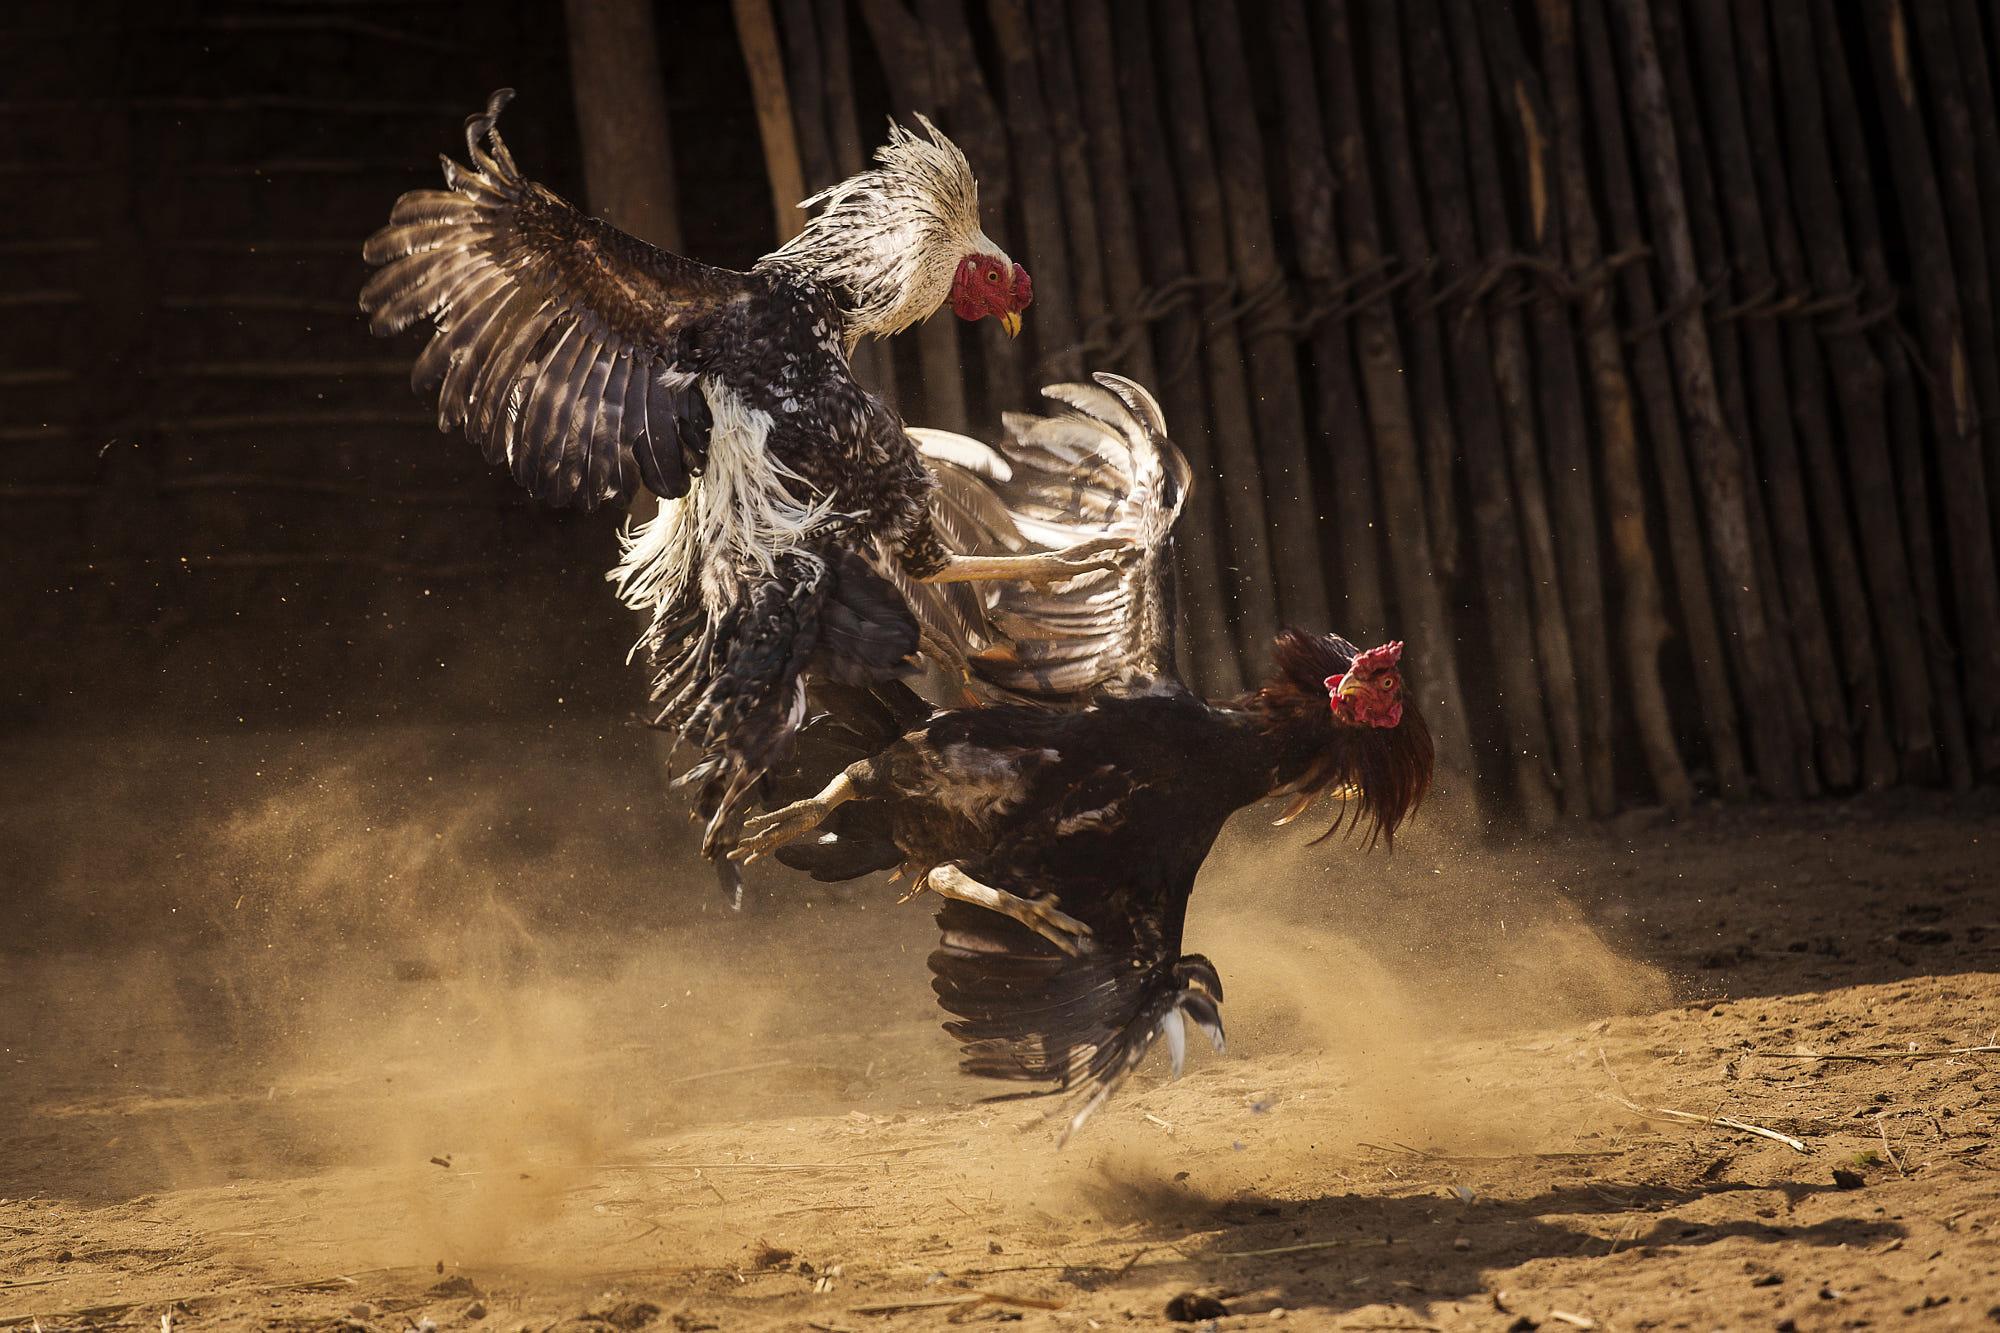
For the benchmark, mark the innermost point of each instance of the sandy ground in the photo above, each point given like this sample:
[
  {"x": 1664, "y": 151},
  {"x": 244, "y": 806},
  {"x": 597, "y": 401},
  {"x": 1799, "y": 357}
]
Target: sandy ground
[{"x": 427, "y": 1032}]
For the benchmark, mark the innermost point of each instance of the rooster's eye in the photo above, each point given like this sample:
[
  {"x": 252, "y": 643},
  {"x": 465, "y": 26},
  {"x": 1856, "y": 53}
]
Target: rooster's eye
[{"x": 993, "y": 275}]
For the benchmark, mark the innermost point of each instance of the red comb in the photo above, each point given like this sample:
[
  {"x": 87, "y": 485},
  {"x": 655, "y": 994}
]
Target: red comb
[{"x": 1379, "y": 659}]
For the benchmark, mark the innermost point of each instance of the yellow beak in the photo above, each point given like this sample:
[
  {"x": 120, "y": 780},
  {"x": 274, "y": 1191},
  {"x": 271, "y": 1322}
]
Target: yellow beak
[{"x": 1011, "y": 322}]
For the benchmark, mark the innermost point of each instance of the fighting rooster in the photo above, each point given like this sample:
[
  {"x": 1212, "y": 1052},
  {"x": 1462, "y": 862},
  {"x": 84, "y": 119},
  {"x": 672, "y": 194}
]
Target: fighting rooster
[
  {"x": 1067, "y": 838},
  {"x": 794, "y": 512}
]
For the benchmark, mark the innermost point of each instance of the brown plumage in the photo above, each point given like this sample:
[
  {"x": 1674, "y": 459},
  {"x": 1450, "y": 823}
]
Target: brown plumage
[{"x": 1069, "y": 828}]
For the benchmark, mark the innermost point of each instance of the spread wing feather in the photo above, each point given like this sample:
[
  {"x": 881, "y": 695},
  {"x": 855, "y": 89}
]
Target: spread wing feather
[
  {"x": 564, "y": 348},
  {"x": 1101, "y": 465}
]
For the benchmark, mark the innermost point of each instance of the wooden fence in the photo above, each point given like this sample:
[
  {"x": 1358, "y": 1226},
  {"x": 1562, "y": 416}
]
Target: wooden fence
[{"x": 1626, "y": 357}]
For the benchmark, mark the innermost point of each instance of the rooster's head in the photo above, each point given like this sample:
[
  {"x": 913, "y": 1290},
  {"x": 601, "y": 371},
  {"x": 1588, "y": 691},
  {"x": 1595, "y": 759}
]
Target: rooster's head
[
  {"x": 991, "y": 284},
  {"x": 1370, "y": 692},
  {"x": 1344, "y": 723}
]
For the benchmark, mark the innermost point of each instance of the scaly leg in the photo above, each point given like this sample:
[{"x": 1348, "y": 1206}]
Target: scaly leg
[
  {"x": 1040, "y": 567},
  {"x": 772, "y": 829},
  {"x": 1037, "y": 914}
]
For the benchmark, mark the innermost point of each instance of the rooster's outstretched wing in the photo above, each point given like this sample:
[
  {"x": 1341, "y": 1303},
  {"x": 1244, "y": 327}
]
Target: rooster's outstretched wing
[
  {"x": 1101, "y": 465},
  {"x": 565, "y": 348}
]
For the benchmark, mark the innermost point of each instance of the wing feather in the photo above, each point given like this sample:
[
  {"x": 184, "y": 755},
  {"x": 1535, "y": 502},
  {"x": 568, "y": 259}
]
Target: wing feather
[
  {"x": 555, "y": 333},
  {"x": 1101, "y": 465}
]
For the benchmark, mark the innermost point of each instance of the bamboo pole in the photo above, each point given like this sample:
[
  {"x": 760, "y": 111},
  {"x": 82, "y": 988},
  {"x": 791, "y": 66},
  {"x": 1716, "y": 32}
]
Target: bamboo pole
[
  {"x": 1267, "y": 336},
  {"x": 1753, "y": 231},
  {"x": 1104, "y": 139},
  {"x": 1654, "y": 377},
  {"x": 976, "y": 126},
  {"x": 1711, "y": 252},
  {"x": 1854, "y": 623},
  {"x": 1720, "y": 464},
  {"x": 904, "y": 51},
  {"x": 1028, "y": 139},
  {"x": 805, "y": 81},
  {"x": 1954, "y": 412},
  {"x": 1643, "y": 623},
  {"x": 1957, "y": 163},
  {"x": 1975, "y": 61},
  {"x": 1179, "y": 331},
  {"x": 757, "y": 33},
  {"x": 1430, "y": 392},
  {"x": 1514, "y": 379},
  {"x": 1078, "y": 193},
  {"x": 621, "y": 119},
  {"x": 1565, "y": 433},
  {"x": 1421, "y": 601},
  {"x": 621, "y": 114},
  {"x": 1240, "y": 470},
  {"x": 1340, "y": 433},
  {"x": 1807, "y": 28},
  {"x": 822, "y": 84},
  {"x": 1502, "y": 575}
]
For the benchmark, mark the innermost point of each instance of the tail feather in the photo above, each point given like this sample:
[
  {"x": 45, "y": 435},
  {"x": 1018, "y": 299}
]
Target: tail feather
[{"x": 1023, "y": 1010}]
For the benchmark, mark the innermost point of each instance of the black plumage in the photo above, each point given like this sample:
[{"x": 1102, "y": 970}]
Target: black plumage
[
  {"x": 1068, "y": 829},
  {"x": 594, "y": 365}
]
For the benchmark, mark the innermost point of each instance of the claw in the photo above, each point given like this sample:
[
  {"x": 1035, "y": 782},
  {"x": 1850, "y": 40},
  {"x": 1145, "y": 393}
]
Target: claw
[{"x": 1059, "y": 928}]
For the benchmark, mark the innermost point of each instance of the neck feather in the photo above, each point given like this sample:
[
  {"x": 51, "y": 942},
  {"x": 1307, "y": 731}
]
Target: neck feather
[{"x": 889, "y": 240}]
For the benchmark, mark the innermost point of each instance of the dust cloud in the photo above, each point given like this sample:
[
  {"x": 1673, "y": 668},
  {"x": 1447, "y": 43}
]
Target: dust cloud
[{"x": 434, "y": 956}]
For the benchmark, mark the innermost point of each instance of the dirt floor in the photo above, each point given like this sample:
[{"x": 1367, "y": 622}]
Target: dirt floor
[{"x": 439, "y": 1031}]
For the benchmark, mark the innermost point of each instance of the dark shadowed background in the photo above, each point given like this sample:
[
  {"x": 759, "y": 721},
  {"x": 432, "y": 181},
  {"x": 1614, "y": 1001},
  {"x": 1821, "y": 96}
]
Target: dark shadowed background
[{"x": 1627, "y": 357}]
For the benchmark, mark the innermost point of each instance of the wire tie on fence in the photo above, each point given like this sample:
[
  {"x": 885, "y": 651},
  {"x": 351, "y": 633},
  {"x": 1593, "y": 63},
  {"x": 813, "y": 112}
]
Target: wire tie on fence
[
  {"x": 1826, "y": 305},
  {"x": 1863, "y": 319},
  {"x": 1758, "y": 305}
]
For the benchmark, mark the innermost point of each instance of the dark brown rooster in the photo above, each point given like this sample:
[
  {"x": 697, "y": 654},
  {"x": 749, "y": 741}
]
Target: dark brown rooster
[{"x": 1067, "y": 830}]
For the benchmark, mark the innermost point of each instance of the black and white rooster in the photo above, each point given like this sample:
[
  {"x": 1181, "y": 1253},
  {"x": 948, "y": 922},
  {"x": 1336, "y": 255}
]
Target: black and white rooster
[
  {"x": 795, "y": 513},
  {"x": 1066, "y": 828}
]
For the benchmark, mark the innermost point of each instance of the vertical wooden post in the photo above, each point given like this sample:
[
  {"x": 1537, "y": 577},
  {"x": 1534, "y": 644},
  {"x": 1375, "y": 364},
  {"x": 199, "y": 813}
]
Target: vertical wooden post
[
  {"x": 1501, "y": 574},
  {"x": 1679, "y": 508},
  {"x": 1240, "y": 477},
  {"x": 1565, "y": 433},
  {"x": 758, "y": 35},
  {"x": 1430, "y": 392},
  {"x": 1711, "y": 254},
  {"x": 1857, "y": 385},
  {"x": 1808, "y": 29},
  {"x": 1421, "y": 601},
  {"x": 1340, "y": 436},
  {"x": 1266, "y": 334},
  {"x": 1752, "y": 231},
  {"x": 1513, "y": 377},
  {"x": 1806, "y": 350},
  {"x": 1720, "y": 462},
  {"x": 1644, "y": 625},
  {"x": 1078, "y": 191},
  {"x": 621, "y": 117},
  {"x": 1027, "y": 121},
  {"x": 1954, "y": 410},
  {"x": 1104, "y": 140},
  {"x": 1957, "y": 172},
  {"x": 1164, "y": 243}
]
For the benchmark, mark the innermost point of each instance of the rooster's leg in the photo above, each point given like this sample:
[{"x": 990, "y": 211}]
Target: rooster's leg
[
  {"x": 1041, "y": 567},
  {"x": 1037, "y": 914},
  {"x": 774, "y": 828}
]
